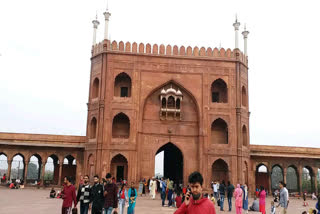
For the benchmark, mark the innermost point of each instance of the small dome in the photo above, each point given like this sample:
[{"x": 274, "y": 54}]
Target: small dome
[
  {"x": 163, "y": 91},
  {"x": 179, "y": 92}
]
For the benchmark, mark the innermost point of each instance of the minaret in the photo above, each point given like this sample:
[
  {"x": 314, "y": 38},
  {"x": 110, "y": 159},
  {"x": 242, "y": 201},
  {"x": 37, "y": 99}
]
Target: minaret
[
  {"x": 236, "y": 26},
  {"x": 106, "y": 16},
  {"x": 95, "y": 27},
  {"x": 245, "y": 37}
]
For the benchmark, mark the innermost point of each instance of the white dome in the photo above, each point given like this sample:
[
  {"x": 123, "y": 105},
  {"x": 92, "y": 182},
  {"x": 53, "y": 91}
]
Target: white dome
[
  {"x": 179, "y": 92},
  {"x": 171, "y": 90},
  {"x": 163, "y": 91}
]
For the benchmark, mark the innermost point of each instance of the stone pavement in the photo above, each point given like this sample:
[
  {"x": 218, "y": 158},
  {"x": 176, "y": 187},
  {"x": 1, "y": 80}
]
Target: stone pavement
[{"x": 36, "y": 201}]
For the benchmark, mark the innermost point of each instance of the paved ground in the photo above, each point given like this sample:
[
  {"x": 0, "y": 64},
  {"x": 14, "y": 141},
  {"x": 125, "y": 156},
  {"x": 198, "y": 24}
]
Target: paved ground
[{"x": 34, "y": 201}]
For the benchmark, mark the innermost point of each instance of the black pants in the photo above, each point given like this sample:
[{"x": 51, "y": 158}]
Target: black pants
[{"x": 96, "y": 210}]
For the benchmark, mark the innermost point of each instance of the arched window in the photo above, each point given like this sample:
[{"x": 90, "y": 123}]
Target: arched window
[
  {"x": 121, "y": 126},
  {"x": 95, "y": 88},
  {"x": 122, "y": 85},
  {"x": 219, "y": 132},
  {"x": 171, "y": 102},
  {"x": 219, "y": 91},
  {"x": 164, "y": 103},
  {"x": 244, "y": 96},
  {"x": 93, "y": 128},
  {"x": 244, "y": 136},
  {"x": 178, "y": 104}
]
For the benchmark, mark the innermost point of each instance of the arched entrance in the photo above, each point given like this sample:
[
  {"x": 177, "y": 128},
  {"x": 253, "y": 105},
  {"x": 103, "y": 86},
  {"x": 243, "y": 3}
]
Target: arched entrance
[
  {"x": 69, "y": 168},
  {"x": 17, "y": 167},
  {"x": 262, "y": 176},
  {"x": 276, "y": 177},
  {"x": 3, "y": 166},
  {"x": 220, "y": 171},
  {"x": 119, "y": 167},
  {"x": 34, "y": 169},
  {"x": 172, "y": 162},
  {"x": 307, "y": 179},
  {"x": 292, "y": 179}
]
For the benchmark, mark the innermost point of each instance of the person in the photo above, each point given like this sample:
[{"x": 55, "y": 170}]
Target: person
[
  {"x": 111, "y": 195},
  {"x": 170, "y": 192},
  {"x": 83, "y": 195},
  {"x": 213, "y": 199},
  {"x": 81, "y": 180},
  {"x": 68, "y": 196},
  {"x": 313, "y": 196},
  {"x": 143, "y": 187},
  {"x": 222, "y": 192},
  {"x": 273, "y": 208},
  {"x": 52, "y": 193},
  {"x": 4, "y": 178},
  {"x": 153, "y": 186},
  {"x": 163, "y": 190},
  {"x": 123, "y": 197},
  {"x": 215, "y": 190},
  {"x": 238, "y": 195},
  {"x": 262, "y": 200},
  {"x": 96, "y": 196},
  {"x": 178, "y": 200},
  {"x": 305, "y": 198},
  {"x": 318, "y": 206},
  {"x": 132, "y": 195},
  {"x": 287, "y": 192},
  {"x": 230, "y": 190},
  {"x": 245, "y": 198},
  {"x": 304, "y": 212},
  {"x": 11, "y": 186},
  {"x": 283, "y": 199},
  {"x": 255, "y": 205},
  {"x": 194, "y": 203}
]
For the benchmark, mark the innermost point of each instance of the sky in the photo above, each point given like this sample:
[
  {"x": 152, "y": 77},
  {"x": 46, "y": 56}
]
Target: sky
[{"x": 45, "y": 49}]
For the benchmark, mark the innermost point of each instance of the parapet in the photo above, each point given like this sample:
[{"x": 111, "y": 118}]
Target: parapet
[{"x": 175, "y": 51}]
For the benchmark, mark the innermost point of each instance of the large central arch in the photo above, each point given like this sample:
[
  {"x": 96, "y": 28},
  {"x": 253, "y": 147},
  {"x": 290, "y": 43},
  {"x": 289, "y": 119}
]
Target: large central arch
[{"x": 172, "y": 162}]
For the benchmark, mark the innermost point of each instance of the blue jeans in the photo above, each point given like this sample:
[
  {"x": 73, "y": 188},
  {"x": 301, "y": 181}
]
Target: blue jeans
[
  {"x": 230, "y": 203},
  {"x": 163, "y": 197},
  {"x": 122, "y": 203},
  {"x": 221, "y": 201},
  {"x": 108, "y": 210},
  {"x": 170, "y": 197},
  {"x": 84, "y": 207}
]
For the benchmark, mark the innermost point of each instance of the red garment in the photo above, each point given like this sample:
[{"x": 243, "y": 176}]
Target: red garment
[
  {"x": 122, "y": 195},
  {"x": 69, "y": 193},
  {"x": 262, "y": 208},
  {"x": 184, "y": 190},
  {"x": 196, "y": 207},
  {"x": 11, "y": 186},
  {"x": 178, "y": 201}
]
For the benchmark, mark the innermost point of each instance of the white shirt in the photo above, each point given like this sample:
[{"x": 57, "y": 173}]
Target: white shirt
[
  {"x": 287, "y": 192},
  {"x": 215, "y": 188}
]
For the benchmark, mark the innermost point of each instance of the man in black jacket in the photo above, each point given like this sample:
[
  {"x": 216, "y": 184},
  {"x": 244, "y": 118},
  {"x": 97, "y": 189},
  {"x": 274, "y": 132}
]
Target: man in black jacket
[
  {"x": 83, "y": 195},
  {"x": 96, "y": 196},
  {"x": 222, "y": 191}
]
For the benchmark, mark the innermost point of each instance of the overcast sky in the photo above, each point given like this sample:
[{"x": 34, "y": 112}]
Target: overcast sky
[{"x": 45, "y": 58}]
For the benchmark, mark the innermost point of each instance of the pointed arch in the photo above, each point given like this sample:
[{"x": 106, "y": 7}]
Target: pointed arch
[
  {"x": 122, "y": 85},
  {"x": 17, "y": 167},
  {"x": 121, "y": 126},
  {"x": 219, "y": 91},
  {"x": 93, "y": 128},
  {"x": 244, "y": 136},
  {"x": 69, "y": 168},
  {"x": 292, "y": 179},
  {"x": 119, "y": 167},
  {"x": 276, "y": 176},
  {"x": 244, "y": 97},
  {"x": 219, "y": 132},
  {"x": 220, "y": 170},
  {"x": 51, "y": 173},
  {"x": 3, "y": 166},
  {"x": 95, "y": 88}
]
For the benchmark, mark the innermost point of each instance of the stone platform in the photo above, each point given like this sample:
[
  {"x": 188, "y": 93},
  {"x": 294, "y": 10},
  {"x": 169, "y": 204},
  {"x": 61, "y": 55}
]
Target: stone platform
[{"x": 36, "y": 201}]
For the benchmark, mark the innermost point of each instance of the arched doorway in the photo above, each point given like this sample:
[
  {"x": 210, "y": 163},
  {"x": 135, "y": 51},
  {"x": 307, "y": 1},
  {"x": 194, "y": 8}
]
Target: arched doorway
[
  {"x": 172, "y": 162},
  {"x": 34, "y": 169},
  {"x": 90, "y": 167},
  {"x": 3, "y": 166},
  {"x": 307, "y": 179},
  {"x": 119, "y": 167},
  {"x": 262, "y": 176},
  {"x": 276, "y": 177},
  {"x": 220, "y": 171},
  {"x": 51, "y": 170},
  {"x": 69, "y": 168},
  {"x": 292, "y": 179},
  {"x": 17, "y": 167}
]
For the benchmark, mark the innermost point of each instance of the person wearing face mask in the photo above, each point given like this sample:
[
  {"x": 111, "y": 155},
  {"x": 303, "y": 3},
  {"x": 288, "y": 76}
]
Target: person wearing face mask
[
  {"x": 84, "y": 195},
  {"x": 194, "y": 202},
  {"x": 110, "y": 196}
]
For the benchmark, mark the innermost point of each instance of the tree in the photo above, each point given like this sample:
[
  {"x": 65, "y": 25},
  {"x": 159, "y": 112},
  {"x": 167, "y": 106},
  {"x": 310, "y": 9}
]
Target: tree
[{"x": 33, "y": 171}]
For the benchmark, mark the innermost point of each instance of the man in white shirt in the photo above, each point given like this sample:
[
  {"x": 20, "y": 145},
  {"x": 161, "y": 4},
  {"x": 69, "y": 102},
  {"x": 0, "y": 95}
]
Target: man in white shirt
[{"x": 215, "y": 190}]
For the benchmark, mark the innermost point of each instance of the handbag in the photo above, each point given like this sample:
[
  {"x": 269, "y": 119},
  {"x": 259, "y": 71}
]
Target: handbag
[
  {"x": 218, "y": 202},
  {"x": 75, "y": 211}
]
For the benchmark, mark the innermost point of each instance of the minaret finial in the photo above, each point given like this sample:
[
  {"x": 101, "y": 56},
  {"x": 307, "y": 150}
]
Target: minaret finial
[
  {"x": 236, "y": 17},
  {"x": 107, "y": 5},
  {"x": 95, "y": 27},
  {"x": 236, "y": 26},
  {"x": 106, "y": 17},
  {"x": 245, "y": 37}
]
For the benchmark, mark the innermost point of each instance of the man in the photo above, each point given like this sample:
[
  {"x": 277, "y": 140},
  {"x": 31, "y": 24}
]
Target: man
[
  {"x": 153, "y": 184},
  {"x": 68, "y": 195},
  {"x": 170, "y": 192},
  {"x": 230, "y": 190},
  {"x": 283, "y": 202},
  {"x": 110, "y": 195},
  {"x": 215, "y": 190},
  {"x": 287, "y": 192},
  {"x": 96, "y": 196},
  {"x": 84, "y": 195},
  {"x": 255, "y": 205},
  {"x": 163, "y": 186},
  {"x": 194, "y": 202},
  {"x": 222, "y": 192}
]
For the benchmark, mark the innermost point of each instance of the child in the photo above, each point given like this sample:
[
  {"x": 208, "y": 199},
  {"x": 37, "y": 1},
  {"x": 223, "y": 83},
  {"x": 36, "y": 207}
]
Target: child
[
  {"x": 212, "y": 198},
  {"x": 178, "y": 200},
  {"x": 273, "y": 208},
  {"x": 304, "y": 199}
]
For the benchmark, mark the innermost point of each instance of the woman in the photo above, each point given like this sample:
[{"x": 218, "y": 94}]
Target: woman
[
  {"x": 238, "y": 194},
  {"x": 262, "y": 200},
  {"x": 245, "y": 198},
  {"x": 122, "y": 196},
  {"x": 132, "y": 195}
]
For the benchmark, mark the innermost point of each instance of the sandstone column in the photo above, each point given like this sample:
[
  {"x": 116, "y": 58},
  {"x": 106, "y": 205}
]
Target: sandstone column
[
  {"x": 9, "y": 170},
  {"x": 25, "y": 176},
  {"x": 60, "y": 171}
]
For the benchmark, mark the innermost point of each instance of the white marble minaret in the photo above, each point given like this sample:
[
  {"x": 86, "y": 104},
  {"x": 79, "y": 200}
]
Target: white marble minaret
[
  {"x": 236, "y": 26},
  {"x": 245, "y": 37},
  {"x": 95, "y": 27}
]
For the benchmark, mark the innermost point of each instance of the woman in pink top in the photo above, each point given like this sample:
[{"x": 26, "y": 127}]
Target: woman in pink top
[
  {"x": 262, "y": 201},
  {"x": 238, "y": 196}
]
